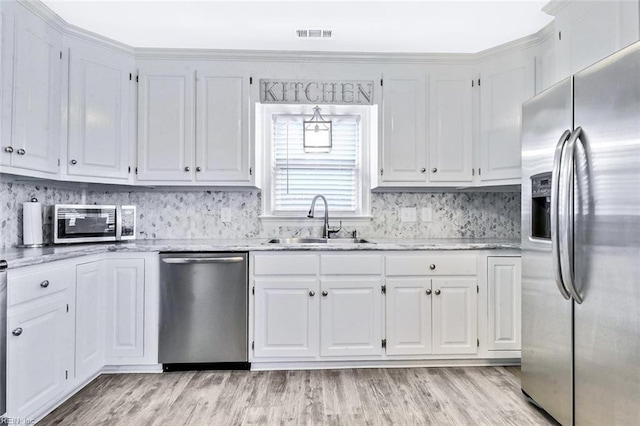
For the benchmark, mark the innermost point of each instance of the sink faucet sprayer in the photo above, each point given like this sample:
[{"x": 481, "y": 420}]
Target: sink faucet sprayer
[{"x": 326, "y": 231}]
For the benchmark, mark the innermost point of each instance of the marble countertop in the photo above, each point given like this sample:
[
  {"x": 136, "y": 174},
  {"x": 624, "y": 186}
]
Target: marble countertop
[{"x": 18, "y": 257}]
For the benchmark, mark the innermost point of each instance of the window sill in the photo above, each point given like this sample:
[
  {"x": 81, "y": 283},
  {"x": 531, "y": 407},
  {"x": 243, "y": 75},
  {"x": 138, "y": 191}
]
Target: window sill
[{"x": 316, "y": 221}]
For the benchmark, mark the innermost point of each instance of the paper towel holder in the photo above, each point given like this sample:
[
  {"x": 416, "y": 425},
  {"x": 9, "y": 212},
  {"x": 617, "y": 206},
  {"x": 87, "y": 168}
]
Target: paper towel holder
[{"x": 43, "y": 244}]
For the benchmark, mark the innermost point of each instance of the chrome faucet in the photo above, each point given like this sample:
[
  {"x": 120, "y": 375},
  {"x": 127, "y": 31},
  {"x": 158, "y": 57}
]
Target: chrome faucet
[{"x": 326, "y": 231}]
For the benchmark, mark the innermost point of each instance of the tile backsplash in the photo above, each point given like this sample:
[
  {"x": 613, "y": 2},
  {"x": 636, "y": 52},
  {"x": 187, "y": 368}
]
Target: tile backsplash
[{"x": 197, "y": 214}]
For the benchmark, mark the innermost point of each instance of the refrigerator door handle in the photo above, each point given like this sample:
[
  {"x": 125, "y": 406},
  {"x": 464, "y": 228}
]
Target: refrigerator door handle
[
  {"x": 565, "y": 214},
  {"x": 555, "y": 241}
]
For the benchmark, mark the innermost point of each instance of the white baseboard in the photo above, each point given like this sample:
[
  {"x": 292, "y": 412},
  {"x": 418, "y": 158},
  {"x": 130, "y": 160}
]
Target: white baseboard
[
  {"x": 117, "y": 369},
  {"x": 327, "y": 365}
]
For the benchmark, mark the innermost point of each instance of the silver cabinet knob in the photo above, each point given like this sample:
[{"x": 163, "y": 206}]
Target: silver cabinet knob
[
  {"x": 186, "y": 169},
  {"x": 422, "y": 170},
  {"x": 73, "y": 162},
  {"x": 428, "y": 292},
  {"x": 434, "y": 170},
  {"x": 8, "y": 149},
  {"x": 437, "y": 292},
  {"x": 44, "y": 284},
  {"x": 17, "y": 331},
  {"x": 432, "y": 266},
  {"x": 325, "y": 293},
  {"x": 21, "y": 151},
  {"x": 312, "y": 293},
  {"x": 198, "y": 169}
]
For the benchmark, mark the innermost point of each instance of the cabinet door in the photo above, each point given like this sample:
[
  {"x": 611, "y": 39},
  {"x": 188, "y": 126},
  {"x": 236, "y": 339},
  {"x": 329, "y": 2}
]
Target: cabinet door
[
  {"x": 450, "y": 147},
  {"x": 504, "y": 87},
  {"x": 455, "y": 316},
  {"x": 222, "y": 146},
  {"x": 504, "y": 303},
  {"x": 99, "y": 96},
  {"x": 7, "y": 45},
  {"x": 408, "y": 316},
  {"x": 351, "y": 316},
  {"x": 89, "y": 320},
  {"x": 165, "y": 123},
  {"x": 286, "y": 317},
  {"x": 588, "y": 31},
  {"x": 125, "y": 309},
  {"x": 36, "y": 96},
  {"x": 404, "y": 114},
  {"x": 39, "y": 365}
]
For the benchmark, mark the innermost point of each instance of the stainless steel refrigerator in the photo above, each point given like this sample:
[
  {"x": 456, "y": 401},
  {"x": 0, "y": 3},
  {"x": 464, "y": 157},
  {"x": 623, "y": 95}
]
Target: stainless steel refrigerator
[{"x": 581, "y": 245}]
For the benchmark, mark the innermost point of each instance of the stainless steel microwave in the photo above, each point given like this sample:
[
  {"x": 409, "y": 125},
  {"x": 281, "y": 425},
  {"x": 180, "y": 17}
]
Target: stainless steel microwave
[{"x": 75, "y": 223}]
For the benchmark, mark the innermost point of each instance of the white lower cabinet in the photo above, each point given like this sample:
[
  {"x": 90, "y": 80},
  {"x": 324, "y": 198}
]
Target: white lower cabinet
[
  {"x": 455, "y": 316},
  {"x": 504, "y": 282},
  {"x": 428, "y": 315},
  {"x": 39, "y": 338},
  {"x": 90, "y": 309},
  {"x": 125, "y": 309},
  {"x": 351, "y": 316},
  {"x": 288, "y": 313}
]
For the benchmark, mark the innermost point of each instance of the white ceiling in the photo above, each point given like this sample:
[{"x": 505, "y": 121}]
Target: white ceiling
[{"x": 358, "y": 26}]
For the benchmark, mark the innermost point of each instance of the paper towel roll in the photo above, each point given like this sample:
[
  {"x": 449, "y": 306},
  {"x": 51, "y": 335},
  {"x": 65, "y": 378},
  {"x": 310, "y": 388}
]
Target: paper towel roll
[{"x": 32, "y": 223}]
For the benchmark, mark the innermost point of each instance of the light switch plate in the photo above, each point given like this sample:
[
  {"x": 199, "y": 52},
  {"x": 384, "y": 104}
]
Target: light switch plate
[
  {"x": 408, "y": 214},
  {"x": 226, "y": 215},
  {"x": 426, "y": 215}
]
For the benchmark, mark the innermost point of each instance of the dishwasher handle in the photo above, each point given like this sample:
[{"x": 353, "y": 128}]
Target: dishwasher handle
[{"x": 187, "y": 260}]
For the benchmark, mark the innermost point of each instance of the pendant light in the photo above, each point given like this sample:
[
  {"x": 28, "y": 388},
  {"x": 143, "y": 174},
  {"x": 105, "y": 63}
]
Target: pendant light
[{"x": 316, "y": 136}]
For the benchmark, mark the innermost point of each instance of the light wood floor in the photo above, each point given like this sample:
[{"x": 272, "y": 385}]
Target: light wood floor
[{"x": 403, "y": 396}]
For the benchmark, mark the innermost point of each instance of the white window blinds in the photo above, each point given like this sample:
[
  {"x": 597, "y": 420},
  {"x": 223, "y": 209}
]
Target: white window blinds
[{"x": 298, "y": 175}]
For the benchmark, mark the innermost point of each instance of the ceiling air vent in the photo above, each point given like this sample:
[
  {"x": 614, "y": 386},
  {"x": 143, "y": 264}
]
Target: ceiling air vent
[{"x": 313, "y": 33}]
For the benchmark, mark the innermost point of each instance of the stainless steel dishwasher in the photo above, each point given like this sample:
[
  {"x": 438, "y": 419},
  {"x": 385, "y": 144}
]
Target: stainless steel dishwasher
[{"x": 203, "y": 311}]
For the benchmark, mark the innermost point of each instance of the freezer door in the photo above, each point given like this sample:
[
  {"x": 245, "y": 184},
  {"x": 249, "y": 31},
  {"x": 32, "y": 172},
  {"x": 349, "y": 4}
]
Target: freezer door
[
  {"x": 546, "y": 314},
  {"x": 607, "y": 241}
]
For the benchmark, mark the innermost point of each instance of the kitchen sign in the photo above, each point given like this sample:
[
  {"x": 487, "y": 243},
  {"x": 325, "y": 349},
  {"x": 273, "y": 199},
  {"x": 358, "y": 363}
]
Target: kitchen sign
[{"x": 316, "y": 92}]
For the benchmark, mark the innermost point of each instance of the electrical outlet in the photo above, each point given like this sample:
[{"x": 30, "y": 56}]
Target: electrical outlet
[
  {"x": 408, "y": 214},
  {"x": 426, "y": 215},
  {"x": 226, "y": 215}
]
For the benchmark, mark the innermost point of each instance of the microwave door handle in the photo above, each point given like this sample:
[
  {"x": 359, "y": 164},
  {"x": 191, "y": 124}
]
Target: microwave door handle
[
  {"x": 566, "y": 215},
  {"x": 555, "y": 238},
  {"x": 118, "y": 223}
]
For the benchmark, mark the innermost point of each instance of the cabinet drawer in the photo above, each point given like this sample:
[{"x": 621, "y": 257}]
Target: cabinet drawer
[
  {"x": 426, "y": 264},
  {"x": 31, "y": 283},
  {"x": 350, "y": 265},
  {"x": 285, "y": 264}
]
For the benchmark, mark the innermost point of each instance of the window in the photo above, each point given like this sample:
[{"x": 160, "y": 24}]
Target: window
[{"x": 293, "y": 177}]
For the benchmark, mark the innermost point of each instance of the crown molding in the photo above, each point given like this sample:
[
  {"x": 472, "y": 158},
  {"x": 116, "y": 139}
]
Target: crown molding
[
  {"x": 43, "y": 12},
  {"x": 98, "y": 40},
  {"x": 554, "y": 6}
]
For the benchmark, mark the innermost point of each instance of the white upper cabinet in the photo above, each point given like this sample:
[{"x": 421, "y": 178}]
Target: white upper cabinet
[
  {"x": 404, "y": 116},
  {"x": 505, "y": 84},
  {"x": 588, "y": 31},
  {"x": 36, "y": 96},
  {"x": 222, "y": 134},
  {"x": 100, "y": 83},
  {"x": 450, "y": 132},
  {"x": 172, "y": 149},
  {"x": 165, "y": 122}
]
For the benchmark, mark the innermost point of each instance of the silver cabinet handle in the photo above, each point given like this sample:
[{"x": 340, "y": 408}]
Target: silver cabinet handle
[
  {"x": 428, "y": 292},
  {"x": 325, "y": 293},
  {"x": 186, "y": 169},
  {"x": 21, "y": 151},
  {"x": 555, "y": 241},
  {"x": 422, "y": 170},
  {"x": 565, "y": 214},
  {"x": 44, "y": 284},
  {"x": 434, "y": 170},
  {"x": 198, "y": 169},
  {"x": 312, "y": 293},
  {"x": 73, "y": 162},
  {"x": 437, "y": 292},
  {"x": 17, "y": 331},
  {"x": 432, "y": 266},
  {"x": 185, "y": 260},
  {"x": 8, "y": 149}
]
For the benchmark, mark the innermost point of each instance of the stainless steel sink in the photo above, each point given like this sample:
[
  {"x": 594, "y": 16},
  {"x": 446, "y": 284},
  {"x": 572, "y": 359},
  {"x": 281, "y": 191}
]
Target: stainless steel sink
[{"x": 318, "y": 241}]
